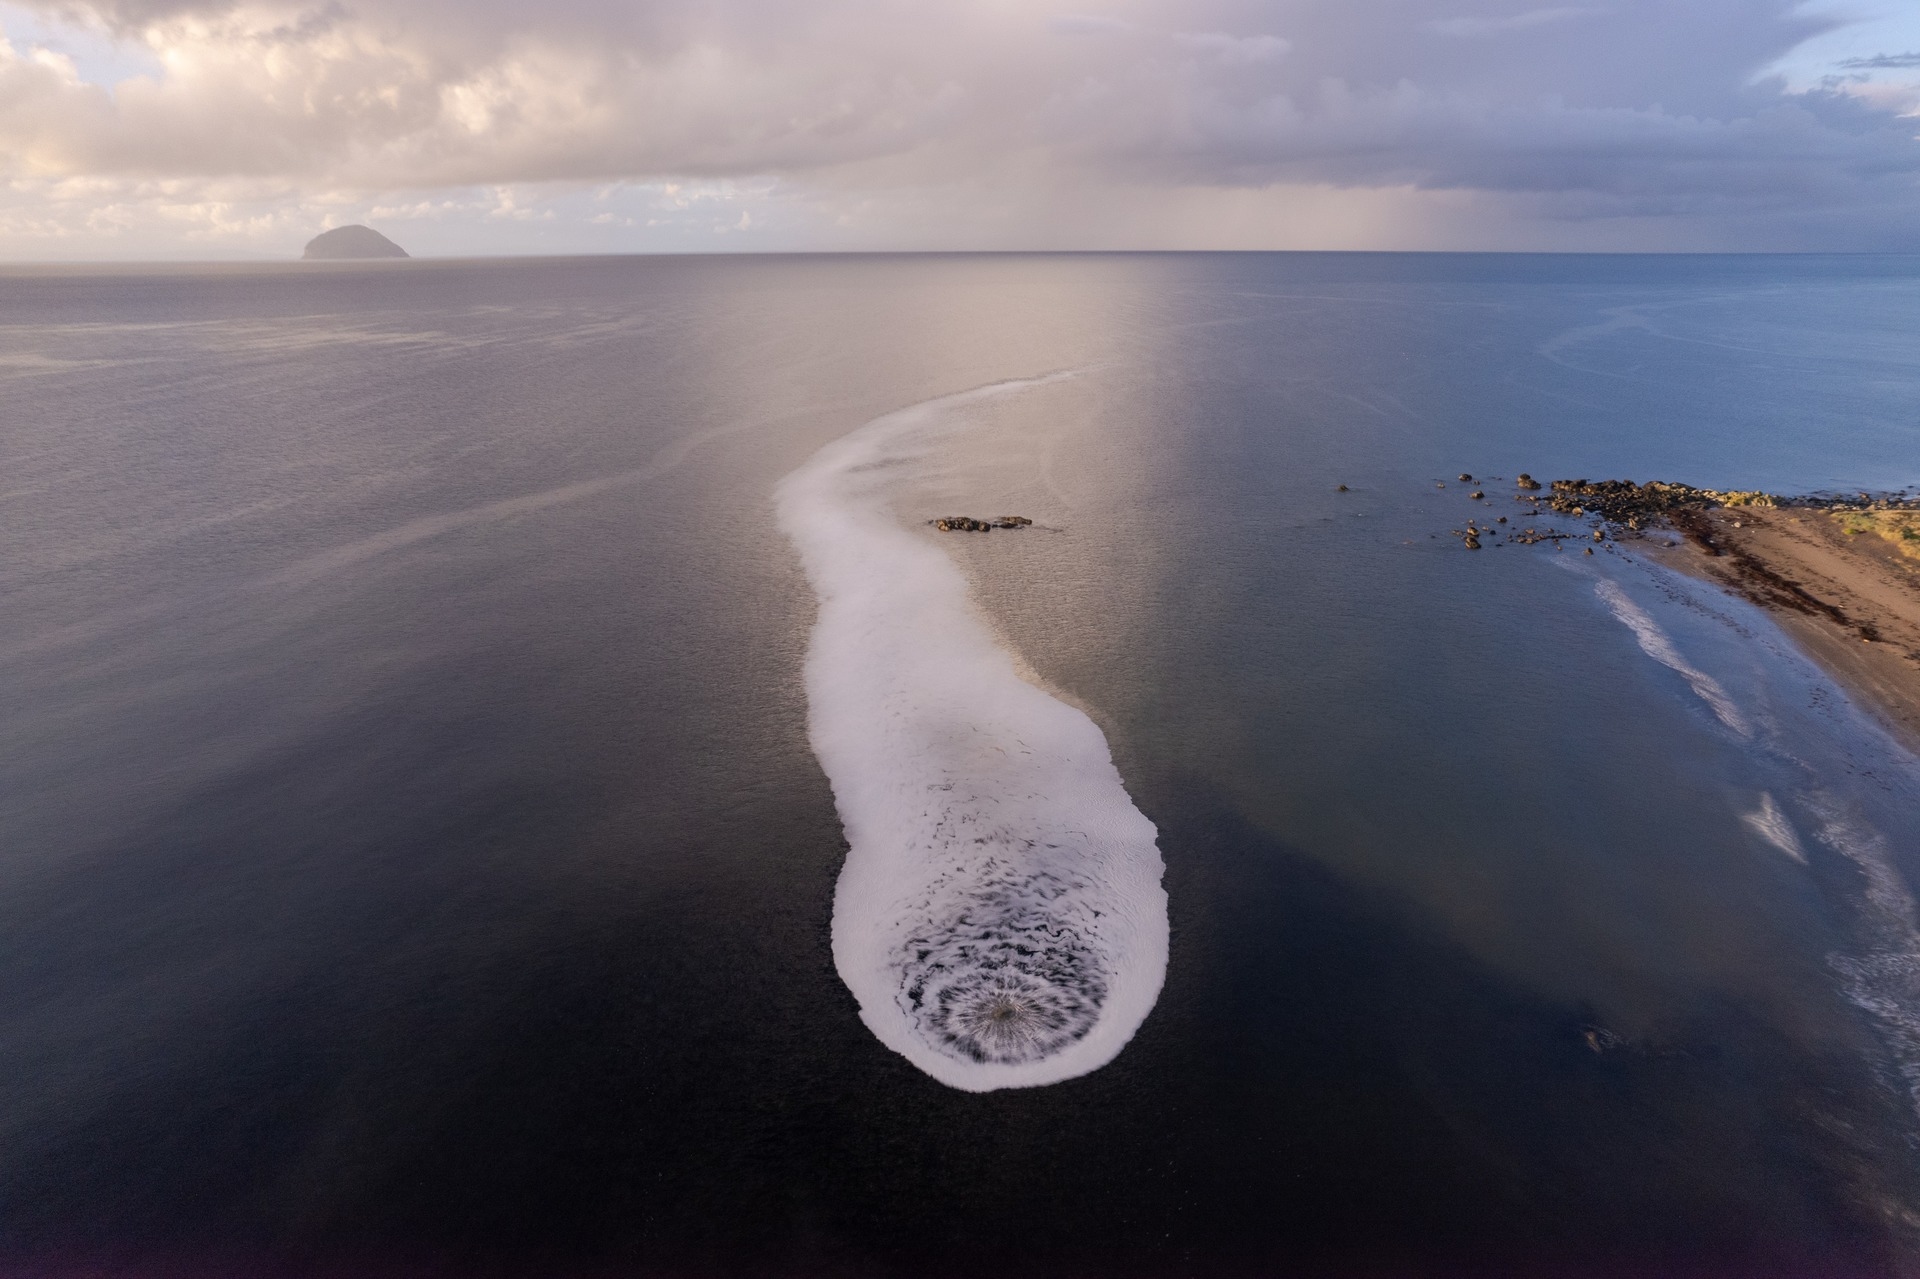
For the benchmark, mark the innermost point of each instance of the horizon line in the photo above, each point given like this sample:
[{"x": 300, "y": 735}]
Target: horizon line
[{"x": 324, "y": 264}]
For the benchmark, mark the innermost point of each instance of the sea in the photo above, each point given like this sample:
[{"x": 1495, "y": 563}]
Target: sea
[{"x": 499, "y": 776}]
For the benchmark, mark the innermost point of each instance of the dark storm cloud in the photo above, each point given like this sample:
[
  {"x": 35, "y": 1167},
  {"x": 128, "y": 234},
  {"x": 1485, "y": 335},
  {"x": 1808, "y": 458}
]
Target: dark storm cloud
[{"x": 1627, "y": 107}]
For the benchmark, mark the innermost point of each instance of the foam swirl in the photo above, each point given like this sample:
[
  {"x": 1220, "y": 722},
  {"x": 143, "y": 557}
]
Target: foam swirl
[{"x": 1000, "y": 918}]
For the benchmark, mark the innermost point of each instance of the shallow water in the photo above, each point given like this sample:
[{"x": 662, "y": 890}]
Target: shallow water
[{"x": 413, "y": 853}]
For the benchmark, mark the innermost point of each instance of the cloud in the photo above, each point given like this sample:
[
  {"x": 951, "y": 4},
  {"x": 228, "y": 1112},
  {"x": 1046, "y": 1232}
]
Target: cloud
[
  {"x": 1882, "y": 62},
  {"x": 1089, "y": 24},
  {"x": 1234, "y": 50},
  {"x": 842, "y": 119},
  {"x": 1481, "y": 26}
]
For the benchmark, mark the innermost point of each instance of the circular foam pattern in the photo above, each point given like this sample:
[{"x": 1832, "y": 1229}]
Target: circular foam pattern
[{"x": 1008, "y": 1016}]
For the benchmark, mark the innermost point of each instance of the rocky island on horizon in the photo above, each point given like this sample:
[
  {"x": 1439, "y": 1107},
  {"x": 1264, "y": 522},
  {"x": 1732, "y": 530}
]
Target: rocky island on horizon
[{"x": 347, "y": 243}]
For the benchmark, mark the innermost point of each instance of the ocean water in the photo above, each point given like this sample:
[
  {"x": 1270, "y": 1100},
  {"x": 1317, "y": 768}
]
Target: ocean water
[{"x": 498, "y": 777}]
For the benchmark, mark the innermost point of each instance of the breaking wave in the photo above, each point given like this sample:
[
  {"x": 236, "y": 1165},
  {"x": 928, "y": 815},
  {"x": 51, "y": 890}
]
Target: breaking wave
[
  {"x": 1655, "y": 644},
  {"x": 1772, "y": 825},
  {"x": 1000, "y": 918}
]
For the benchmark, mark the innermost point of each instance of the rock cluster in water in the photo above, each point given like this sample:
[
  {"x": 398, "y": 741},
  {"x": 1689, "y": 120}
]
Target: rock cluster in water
[
  {"x": 968, "y": 524},
  {"x": 1618, "y": 505}
]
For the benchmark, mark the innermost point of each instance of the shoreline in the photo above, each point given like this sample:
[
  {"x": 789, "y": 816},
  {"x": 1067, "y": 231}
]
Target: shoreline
[{"x": 1849, "y": 599}]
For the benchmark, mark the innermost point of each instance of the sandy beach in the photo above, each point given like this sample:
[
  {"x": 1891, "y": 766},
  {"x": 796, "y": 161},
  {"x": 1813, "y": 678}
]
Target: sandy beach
[{"x": 1845, "y": 584}]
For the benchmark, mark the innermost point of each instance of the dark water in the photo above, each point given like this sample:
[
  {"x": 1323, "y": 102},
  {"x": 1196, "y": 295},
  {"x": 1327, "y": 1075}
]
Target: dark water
[{"x": 412, "y": 859}]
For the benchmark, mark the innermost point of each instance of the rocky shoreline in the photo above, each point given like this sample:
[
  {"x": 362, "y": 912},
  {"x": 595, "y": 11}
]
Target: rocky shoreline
[{"x": 1841, "y": 573}]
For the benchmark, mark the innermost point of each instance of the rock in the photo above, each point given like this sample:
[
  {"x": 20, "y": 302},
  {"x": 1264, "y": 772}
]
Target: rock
[
  {"x": 1599, "y": 536},
  {"x": 347, "y": 243},
  {"x": 1636, "y": 506},
  {"x": 968, "y": 524},
  {"x": 1342, "y": 489},
  {"x": 1465, "y": 478},
  {"x": 1476, "y": 495},
  {"x": 1501, "y": 520}
]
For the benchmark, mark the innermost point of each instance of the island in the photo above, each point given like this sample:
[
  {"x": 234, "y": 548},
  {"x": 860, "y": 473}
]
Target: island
[{"x": 350, "y": 243}]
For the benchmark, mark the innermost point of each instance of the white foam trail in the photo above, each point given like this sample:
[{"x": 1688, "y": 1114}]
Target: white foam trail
[
  {"x": 1000, "y": 917},
  {"x": 1770, "y": 824},
  {"x": 1655, "y": 644}
]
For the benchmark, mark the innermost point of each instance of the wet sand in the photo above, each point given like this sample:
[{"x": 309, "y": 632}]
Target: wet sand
[{"x": 1850, "y": 599}]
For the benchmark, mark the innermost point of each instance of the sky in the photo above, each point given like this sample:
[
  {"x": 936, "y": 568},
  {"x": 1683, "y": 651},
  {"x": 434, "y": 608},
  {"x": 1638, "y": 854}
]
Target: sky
[{"x": 211, "y": 129}]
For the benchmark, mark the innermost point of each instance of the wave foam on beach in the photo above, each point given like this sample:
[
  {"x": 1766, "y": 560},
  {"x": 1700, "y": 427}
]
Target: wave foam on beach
[
  {"x": 1884, "y": 977},
  {"x": 1000, "y": 917},
  {"x": 1772, "y": 825},
  {"x": 1880, "y": 971},
  {"x": 1654, "y": 643}
]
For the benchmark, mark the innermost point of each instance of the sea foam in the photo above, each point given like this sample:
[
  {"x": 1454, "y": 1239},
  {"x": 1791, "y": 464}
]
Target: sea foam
[
  {"x": 1000, "y": 918},
  {"x": 1655, "y": 644},
  {"x": 1880, "y": 972},
  {"x": 1772, "y": 825}
]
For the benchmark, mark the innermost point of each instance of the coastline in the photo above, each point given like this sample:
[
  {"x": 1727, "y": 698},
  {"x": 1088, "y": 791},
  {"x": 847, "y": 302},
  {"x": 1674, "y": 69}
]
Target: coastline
[{"x": 1849, "y": 599}]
